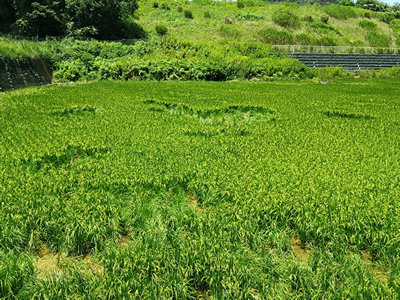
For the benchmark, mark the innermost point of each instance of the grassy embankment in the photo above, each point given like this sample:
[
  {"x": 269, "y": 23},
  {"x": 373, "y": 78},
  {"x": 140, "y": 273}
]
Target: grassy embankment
[
  {"x": 259, "y": 21},
  {"x": 178, "y": 190}
]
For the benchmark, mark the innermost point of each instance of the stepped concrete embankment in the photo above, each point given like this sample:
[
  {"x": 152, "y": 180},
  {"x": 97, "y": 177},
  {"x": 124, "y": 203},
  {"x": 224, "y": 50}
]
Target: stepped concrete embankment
[
  {"x": 351, "y": 62},
  {"x": 16, "y": 74}
]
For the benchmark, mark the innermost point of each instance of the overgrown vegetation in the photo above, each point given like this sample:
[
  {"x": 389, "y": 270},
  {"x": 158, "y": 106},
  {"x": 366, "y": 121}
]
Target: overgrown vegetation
[
  {"x": 220, "y": 20},
  {"x": 107, "y": 19},
  {"x": 243, "y": 190}
]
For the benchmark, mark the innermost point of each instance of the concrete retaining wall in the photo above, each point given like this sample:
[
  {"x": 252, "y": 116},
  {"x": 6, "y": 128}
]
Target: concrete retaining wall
[{"x": 16, "y": 74}]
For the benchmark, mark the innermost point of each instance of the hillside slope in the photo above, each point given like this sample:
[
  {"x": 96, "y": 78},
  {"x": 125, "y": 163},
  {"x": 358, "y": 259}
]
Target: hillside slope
[{"x": 275, "y": 24}]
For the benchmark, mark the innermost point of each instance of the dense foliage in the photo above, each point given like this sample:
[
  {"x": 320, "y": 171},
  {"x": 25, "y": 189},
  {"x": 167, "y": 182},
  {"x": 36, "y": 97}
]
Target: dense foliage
[
  {"x": 177, "y": 190},
  {"x": 104, "y": 19}
]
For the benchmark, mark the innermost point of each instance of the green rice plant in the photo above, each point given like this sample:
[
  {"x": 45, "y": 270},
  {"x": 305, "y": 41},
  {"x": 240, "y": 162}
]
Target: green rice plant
[
  {"x": 257, "y": 211},
  {"x": 15, "y": 269}
]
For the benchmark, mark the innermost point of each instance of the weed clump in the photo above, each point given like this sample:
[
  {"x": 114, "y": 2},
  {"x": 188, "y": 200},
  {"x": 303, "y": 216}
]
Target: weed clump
[
  {"x": 240, "y": 4},
  {"x": 161, "y": 29},
  {"x": 188, "y": 14},
  {"x": 286, "y": 18},
  {"x": 325, "y": 19},
  {"x": 368, "y": 25}
]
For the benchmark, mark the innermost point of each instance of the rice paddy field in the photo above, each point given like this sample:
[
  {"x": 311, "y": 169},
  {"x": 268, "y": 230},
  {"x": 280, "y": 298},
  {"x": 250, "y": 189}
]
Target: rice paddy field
[{"x": 201, "y": 190}]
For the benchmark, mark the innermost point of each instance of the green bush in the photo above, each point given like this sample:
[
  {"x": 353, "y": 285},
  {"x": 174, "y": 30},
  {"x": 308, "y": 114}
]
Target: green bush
[
  {"x": 368, "y": 25},
  {"x": 329, "y": 73},
  {"x": 240, "y": 4},
  {"x": 285, "y": 18},
  {"x": 73, "y": 17},
  {"x": 161, "y": 29},
  {"x": 377, "y": 40},
  {"x": 188, "y": 14},
  {"x": 341, "y": 12},
  {"x": 248, "y": 16},
  {"x": 39, "y": 20},
  {"x": 386, "y": 17},
  {"x": 324, "y": 19},
  {"x": 230, "y": 20},
  {"x": 273, "y": 36},
  {"x": 165, "y": 6},
  {"x": 155, "y": 4}
]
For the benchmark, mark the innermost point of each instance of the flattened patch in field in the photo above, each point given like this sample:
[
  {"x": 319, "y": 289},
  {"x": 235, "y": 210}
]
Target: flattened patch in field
[
  {"x": 347, "y": 115},
  {"x": 192, "y": 200},
  {"x": 55, "y": 264},
  {"x": 66, "y": 156},
  {"x": 76, "y": 111},
  {"x": 301, "y": 251},
  {"x": 230, "y": 116}
]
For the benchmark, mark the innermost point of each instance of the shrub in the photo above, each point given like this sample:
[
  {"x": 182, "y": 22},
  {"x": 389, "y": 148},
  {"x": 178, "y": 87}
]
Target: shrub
[
  {"x": 324, "y": 19},
  {"x": 307, "y": 18},
  {"x": 328, "y": 73},
  {"x": 207, "y": 15},
  {"x": 106, "y": 16},
  {"x": 229, "y": 20},
  {"x": 165, "y": 6},
  {"x": 285, "y": 18},
  {"x": 188, "y": 14},
  {"x": 240, "y": 4},
  {"x": 161, "y": 29},
  {"x": 368, "y": 25},
  {"x": 40, "y": 20},
  {"x": 248, "y": 16},
  {"x": 340, "y": 12},
  {"x": 273, "y": 36},
  {"x": 386, "y": 17},
  {"x": 377, "y": 40},
  {"x": 179, "y": 9},
  {"x": 155, "y": 4}
]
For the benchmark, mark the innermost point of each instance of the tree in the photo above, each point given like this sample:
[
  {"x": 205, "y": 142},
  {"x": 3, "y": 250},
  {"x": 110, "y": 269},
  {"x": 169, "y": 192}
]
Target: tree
[{"x": 48, "y": 17}]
